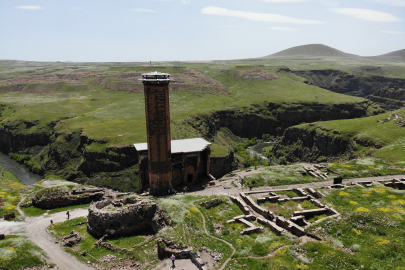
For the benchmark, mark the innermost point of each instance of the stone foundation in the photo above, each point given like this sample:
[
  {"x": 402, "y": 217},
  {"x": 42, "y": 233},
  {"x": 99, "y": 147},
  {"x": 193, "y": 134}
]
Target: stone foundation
[{"x": 124, "y": 217}]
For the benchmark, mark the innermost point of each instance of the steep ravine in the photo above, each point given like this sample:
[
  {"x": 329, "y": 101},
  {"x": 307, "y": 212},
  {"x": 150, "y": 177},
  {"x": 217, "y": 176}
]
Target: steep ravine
[
  {"x": 300, "y": 144},
  {"x": 76, "y": 157},
  {"x": 373, "y": 86}
]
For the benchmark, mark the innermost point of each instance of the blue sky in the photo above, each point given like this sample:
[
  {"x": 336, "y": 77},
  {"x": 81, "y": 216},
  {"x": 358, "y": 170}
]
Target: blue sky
[{"x": 166, "y": 30}]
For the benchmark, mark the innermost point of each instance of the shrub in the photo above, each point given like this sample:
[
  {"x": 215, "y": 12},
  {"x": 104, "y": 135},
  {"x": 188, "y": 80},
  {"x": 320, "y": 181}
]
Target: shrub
[{"x": 282, "y": 160}]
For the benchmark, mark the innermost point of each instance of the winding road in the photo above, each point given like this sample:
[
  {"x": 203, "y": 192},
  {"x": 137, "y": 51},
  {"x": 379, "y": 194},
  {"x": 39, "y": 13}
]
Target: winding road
[{"x": 35, "y": 229}]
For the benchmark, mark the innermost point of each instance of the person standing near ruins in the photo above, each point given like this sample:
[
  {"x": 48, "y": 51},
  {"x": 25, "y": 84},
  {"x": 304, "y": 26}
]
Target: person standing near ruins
[
  {"x": 68, "y": 214},
  {"x": 173, "y": 259}
]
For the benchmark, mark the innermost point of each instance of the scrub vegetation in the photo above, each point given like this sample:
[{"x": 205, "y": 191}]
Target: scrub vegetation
[
  {"x": 18, "y": 252},
  {"x": 369, "y": 233},
  {"x": 10, "y": 188}
]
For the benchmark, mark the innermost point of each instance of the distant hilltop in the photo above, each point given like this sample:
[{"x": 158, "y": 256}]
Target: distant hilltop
[
  {"x": 312, "y": 50},
  {"x": 320, "y": 50}
]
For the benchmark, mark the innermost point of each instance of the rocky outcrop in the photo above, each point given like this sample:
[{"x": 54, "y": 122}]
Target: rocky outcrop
[
  {"x": 56, "y": 197},
  {"x": 114, "y": 159},
  {"x": 389, "y": 98},
  {"x": 11, "y": 141},
  {"x": 311, "y": 145}
]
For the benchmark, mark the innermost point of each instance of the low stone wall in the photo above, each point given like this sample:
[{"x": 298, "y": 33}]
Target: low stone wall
[
  {"x": 121, "y": 219},
  {"x": 300, "y": 192},
  {"x": 396, "y": 183},
  {"x": 272, "y": 225},
  {"x": 289, "y": 226},
  {"x": 241, "y": 204},
  {"x": 266, "y": 213},
  {"x": 272, "y": 199},
  {"x": 310, "y": 213},
  {"x": 211, "y": 203},
  {"x": 316, "y": 194},
  {"x": 167, "y": 248}
]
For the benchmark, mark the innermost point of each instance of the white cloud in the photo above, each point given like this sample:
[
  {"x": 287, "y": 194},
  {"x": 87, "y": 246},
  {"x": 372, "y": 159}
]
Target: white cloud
[
  {"x": 29, "y": 7},
  {"x": 283, "y": 28},
  {"x": 396, "y": 3},
  {"x": 143, "y": 10},
  {"x": 254, "y": 16},
  {"x": 367, "y": 14},
  {"x": 393, "y": 32}
]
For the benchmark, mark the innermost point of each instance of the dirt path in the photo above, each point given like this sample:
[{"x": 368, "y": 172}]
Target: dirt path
[
  {"x": 35, "y": 229},
  {"x": 226, "y": 242},
  {"x": 219, "y": 188}
]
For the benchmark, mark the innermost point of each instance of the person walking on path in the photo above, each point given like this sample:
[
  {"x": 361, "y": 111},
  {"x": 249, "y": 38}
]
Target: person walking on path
[
  {"x": 68, "y": 214},
  {"x": 173, "y": 259}
]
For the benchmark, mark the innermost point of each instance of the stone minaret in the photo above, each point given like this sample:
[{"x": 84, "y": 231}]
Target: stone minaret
[{"x": 156, "y": 88}]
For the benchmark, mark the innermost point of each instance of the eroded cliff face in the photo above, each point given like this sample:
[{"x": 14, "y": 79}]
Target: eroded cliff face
[
  {"x": 310, "y": 145},
  {"x": 385, "y": 91},
  {"x": 275, "y": 118},
  {"x": 345, "y": 83},
  {"x": 76, "y": 157},
  {"x": 223, "y": 165}
]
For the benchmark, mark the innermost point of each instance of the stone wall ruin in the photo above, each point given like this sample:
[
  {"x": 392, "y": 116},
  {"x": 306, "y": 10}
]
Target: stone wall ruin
[{"x": 126, "y": 216}]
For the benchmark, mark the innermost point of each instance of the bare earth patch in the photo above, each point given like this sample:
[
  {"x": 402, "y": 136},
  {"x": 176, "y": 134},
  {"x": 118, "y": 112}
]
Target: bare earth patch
[
  {"x": 49, "y": 183},
  {"x": 76, "y": 82},
  {"x": 258, "y": 74}
]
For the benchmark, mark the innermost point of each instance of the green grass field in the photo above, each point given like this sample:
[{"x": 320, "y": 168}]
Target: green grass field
[
  {"x": 18, "y": 252},
  {"x": 384, "y": 133}
]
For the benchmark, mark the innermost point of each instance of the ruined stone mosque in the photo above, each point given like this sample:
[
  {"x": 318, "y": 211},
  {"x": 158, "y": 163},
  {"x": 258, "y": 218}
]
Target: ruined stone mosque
[{"x": 164, "y": 163}]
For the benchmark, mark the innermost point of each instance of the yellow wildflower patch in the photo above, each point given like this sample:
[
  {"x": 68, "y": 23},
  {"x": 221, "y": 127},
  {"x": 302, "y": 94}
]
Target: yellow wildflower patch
[
  {"x": 379, "y": 190},
  {"x": 392, "y": 197},
  {"x": 396, "y": 202},
  {"x": 353, "y": 202},
  {"x": 383, "y": 242},
  {"x": 193, "y": 209},
  {"x": 283, "y": 251},
  {"x": 344, "y": 193},
  {"x": 384, "y": 209},
  {"x": 362, "y": 209},
  {"x": 358, "y": 232},
  {"x": 397, "y": 217},
  {"x": 301, "y": 266}
]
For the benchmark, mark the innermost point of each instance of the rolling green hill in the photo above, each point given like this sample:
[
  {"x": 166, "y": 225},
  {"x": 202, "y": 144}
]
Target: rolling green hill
[{"x": 79, "y": 120}]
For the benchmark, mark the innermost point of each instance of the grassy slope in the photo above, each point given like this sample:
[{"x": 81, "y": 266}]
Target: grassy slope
[
  {"x": 18, "y": 252},
  {"x": 10, "y": 188},
  {"x": 119, "y": 116},
  {"x": 369, "y": 234},
  {"x": 389, "y": 134}
]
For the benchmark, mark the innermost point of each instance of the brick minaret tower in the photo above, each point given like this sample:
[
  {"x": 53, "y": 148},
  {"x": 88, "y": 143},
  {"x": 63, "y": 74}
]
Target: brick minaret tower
[{"x": 156, "y": 88}]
